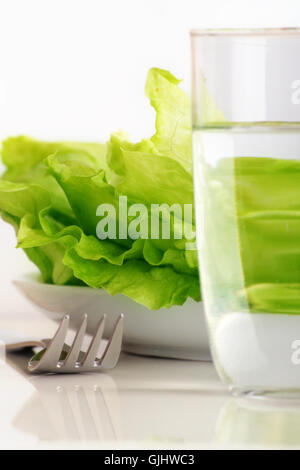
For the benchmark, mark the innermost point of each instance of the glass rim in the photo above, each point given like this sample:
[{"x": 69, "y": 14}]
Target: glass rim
[{"x": 288, "y": 31}]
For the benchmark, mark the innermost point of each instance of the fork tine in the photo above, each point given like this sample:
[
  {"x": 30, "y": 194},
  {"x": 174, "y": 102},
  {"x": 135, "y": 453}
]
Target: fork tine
[
  {"x": 52, "y": 354},
  {"x": 112, "y": 352},
  {"x": 89, "y": 359},
  {"x": 73, "y": 354}
]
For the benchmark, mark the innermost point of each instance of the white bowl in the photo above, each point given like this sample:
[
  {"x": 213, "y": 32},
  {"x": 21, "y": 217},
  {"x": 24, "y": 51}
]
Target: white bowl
[{"x": 178, "y": 332}]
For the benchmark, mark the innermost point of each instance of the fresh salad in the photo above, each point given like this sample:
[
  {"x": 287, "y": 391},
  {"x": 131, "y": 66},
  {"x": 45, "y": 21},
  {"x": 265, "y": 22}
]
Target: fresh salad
[{"x": 50, "y": 193}]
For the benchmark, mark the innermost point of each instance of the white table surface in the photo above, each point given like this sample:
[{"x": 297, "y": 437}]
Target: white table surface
[{"x": 143, "y": 403}]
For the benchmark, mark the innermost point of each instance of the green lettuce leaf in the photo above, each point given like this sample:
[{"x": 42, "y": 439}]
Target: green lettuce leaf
[
  {"x": 269, "y": 228},
  {"x": 173, "y": 136},
  {"x": 50, "y": 193}
]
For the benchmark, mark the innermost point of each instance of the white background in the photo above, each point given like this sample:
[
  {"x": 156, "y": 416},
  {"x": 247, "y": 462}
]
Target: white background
[{"x": 75, "y": 69}]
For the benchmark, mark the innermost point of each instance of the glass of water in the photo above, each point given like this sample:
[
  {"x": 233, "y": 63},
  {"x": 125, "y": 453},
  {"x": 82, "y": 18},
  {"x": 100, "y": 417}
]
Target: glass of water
[{"x": 246, "y": 148}]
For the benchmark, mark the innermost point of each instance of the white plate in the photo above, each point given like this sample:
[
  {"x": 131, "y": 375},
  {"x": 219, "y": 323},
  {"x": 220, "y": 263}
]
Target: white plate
[{"x": 178, "y": 332}]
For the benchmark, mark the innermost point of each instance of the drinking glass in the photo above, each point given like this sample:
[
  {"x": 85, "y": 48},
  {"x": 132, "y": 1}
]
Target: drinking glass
[{"x": 246, "y": 151}]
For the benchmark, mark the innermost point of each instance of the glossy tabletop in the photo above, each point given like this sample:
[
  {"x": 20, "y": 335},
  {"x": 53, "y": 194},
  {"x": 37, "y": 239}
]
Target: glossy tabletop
[{"x": 143, "y": 403}]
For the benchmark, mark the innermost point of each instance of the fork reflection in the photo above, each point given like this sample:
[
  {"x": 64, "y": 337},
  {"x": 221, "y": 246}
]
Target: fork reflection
[{"x": 70, "y": 407}]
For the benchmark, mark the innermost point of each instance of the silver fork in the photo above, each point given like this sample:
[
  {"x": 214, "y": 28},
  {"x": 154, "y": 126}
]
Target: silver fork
[{"x": 60, "y": 358}]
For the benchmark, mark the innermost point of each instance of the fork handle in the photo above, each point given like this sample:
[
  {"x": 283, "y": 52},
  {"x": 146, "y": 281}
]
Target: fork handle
[{"x": 15, "y": 341}]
